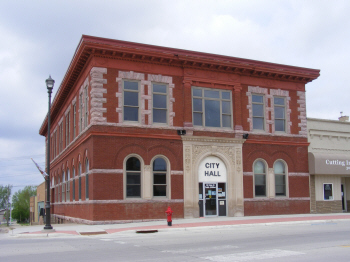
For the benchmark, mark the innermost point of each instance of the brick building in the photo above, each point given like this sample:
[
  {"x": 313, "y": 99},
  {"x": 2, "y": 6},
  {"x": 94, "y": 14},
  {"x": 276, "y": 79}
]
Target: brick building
[{"x": 137, "y": 128}]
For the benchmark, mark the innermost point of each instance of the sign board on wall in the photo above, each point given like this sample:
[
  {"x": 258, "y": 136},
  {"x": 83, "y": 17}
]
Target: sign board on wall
[
  {"x": 328, "y": 164},
  {"x": 212, "y": 169}
]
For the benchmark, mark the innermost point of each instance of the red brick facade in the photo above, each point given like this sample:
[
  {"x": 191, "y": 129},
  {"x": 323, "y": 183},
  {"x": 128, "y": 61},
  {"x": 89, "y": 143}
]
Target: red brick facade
[{"x": 87, "y": 125}]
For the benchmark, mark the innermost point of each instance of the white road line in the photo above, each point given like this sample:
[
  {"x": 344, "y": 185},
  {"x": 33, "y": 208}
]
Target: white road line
[
  {"x": 252, "y": 256},
  {"x": 201, "y": 249}
]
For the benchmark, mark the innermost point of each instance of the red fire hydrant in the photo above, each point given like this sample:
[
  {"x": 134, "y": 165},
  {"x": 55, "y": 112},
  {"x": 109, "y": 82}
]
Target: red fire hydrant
[{"x": 169, "y": 213}]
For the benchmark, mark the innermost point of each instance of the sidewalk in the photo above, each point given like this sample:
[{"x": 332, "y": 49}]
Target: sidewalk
[{"x": 177, "y": 224}]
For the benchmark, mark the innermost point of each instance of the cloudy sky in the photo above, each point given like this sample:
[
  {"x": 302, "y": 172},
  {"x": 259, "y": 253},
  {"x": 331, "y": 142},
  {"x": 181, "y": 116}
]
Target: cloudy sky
[{"x": 39, "y": 38}]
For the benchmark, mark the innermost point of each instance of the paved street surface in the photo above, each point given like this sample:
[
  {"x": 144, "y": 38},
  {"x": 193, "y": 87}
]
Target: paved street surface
[{"x": 270, "y": 238}]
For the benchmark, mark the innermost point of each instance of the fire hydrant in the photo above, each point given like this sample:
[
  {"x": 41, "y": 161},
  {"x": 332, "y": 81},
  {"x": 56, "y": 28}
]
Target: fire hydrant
[{"x": 169, "y": 213}]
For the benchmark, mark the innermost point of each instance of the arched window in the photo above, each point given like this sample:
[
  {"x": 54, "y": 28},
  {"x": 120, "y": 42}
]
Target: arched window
[
  {"x": 79, "y": 182},
  {"x": 63, "y": 186},
  {"x": 67, "y": 185},
  {"x": 73, "y": 184},
  {"x": 133, "y": 177},
  {"x": 58, "y": 189},
  {"x": 87, "y": 178},
  {"x": 280, "y": 178},
  {"x": 159, "y": 177},
  {"x": 259, "y": 178}
]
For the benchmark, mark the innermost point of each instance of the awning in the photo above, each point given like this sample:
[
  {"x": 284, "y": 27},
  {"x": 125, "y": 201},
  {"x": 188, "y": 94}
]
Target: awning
[{"x": 329, "y": 164}]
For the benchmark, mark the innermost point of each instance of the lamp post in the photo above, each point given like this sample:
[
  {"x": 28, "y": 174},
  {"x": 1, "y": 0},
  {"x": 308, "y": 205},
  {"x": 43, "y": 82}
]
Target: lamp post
[{"x": 49, "y": 84}]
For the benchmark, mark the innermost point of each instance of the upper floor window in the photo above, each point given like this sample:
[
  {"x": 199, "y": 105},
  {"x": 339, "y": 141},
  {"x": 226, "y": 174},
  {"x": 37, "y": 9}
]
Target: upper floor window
[
  {"x": 74, "y": 120},
  {"x": 211, "y": 108},
  {"x": 68, "y": 128},
  {"x": 258, "y": 112},
  {"x": 86, "y": 107},
  {"x": 280, "y": 113},
  {"x": 131, "y": 100},
  {"x": 280, "y": 178},
  {"x": 160, "y": 103},
  {"x": 81, "y": 112},
  {"x": 159, "y": 177},
  {"x": 259, "y": 178},
  {"x": 133, "y": 177}
]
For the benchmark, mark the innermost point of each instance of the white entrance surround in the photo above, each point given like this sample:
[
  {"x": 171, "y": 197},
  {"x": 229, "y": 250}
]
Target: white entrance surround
[{"x": 229, "y": 151}]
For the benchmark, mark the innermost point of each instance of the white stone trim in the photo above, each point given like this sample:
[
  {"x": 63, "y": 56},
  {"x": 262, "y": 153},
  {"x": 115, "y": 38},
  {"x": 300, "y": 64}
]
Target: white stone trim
[
  {"x": 263, "y": 91},
  {"x": 298, "y": 174},
  {"x": 168, "y": 80},
  {"x": 97, "y": 100},
  {"x": 265, "y": 199},
  {"x": 302, "y": 113},
  {"x": 106, "y": 171},
  {"x": 131, "y": 75},
  {"x": 176, "y": 172},
  {"x": 248, "y": 173},
  {"x": 280, "y": 93}
]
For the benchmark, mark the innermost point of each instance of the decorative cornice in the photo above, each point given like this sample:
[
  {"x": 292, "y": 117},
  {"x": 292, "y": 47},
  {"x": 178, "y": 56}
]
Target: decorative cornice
[{"x": 90, "y": 46}]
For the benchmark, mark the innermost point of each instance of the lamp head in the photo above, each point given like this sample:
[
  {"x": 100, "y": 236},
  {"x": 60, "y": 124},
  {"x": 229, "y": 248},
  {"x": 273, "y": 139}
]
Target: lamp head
[{"x": 49, "y": 84}]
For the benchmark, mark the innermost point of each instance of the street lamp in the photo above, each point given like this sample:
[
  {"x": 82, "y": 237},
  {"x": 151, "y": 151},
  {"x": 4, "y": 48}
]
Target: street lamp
[{"x": 49, "y": 84}]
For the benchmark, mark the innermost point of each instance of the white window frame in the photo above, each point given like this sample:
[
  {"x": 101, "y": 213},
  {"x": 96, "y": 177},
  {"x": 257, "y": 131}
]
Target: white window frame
[
  {"x": 138, "y": 102},
  {"x": 332, "y": 197},
  {"x": 285, "y": 177},
  {"x": 266, "y": 177},
  {"x": 203, "y": 98},
  {"x": 263, "y": 113},
  {"x": 285, "y": 113},
  {"x": 166, "y": 94},
  {"x": 63, "y": 188},
  {"x": 167, "y": 173},
  {"x": 141, "y": 176}
]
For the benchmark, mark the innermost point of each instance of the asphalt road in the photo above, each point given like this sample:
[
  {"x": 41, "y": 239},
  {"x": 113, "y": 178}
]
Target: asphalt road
[{"x": 287, "y": 242}]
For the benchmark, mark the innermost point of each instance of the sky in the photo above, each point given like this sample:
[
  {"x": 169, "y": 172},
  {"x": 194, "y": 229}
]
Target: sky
[{"x": 38, "y": 39}]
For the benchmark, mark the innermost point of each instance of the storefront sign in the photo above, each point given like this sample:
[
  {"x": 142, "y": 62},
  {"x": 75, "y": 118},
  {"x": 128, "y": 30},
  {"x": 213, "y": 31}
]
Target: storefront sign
[
  {"x": 328, "y": 164},
  {"x": 212, "y": 169}
]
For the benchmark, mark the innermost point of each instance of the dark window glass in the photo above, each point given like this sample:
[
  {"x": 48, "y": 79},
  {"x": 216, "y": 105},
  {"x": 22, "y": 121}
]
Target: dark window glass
[
  {"x": 197, "y": 105},
  {"x": 212, "y": 113},
  {"x": 159, "y": 165},
  {"x": 159, "y": 88},
  {"x": 159, "y": 190},
  {"x": 211, "y": 94},
  {"x": 133, "y": 164},
  {"x": 159, "y": 177},
  {"x": 197, "y": 92},
  {"x": 131, "y": 98},
  {"x": 131, "y": 113},
  {"x": 133, "y": 177},
  {"x": 131, "y": 85}
]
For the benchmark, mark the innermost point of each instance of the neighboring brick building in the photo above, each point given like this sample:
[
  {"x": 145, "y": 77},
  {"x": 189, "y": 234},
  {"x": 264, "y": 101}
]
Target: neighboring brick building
[
  {"x": 137, "y": 128},
  {"x": 329, "y": 164}
]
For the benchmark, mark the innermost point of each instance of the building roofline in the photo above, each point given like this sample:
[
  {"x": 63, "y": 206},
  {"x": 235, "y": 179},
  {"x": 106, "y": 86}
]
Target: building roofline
[{"x": 96, "y": 46}]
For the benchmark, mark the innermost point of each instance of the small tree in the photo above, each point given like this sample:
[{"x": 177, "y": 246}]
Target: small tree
[
  {"x": 5, "y": 193},
  {"x": 21, "y": 203}
]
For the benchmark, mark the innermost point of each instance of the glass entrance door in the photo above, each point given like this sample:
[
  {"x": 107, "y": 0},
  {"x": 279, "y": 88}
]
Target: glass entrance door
[{"x": 210, "y": 190}]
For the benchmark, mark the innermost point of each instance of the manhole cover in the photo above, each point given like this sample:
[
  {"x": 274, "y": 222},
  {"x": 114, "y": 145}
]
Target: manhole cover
[{"x": 147, "y": 231}]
